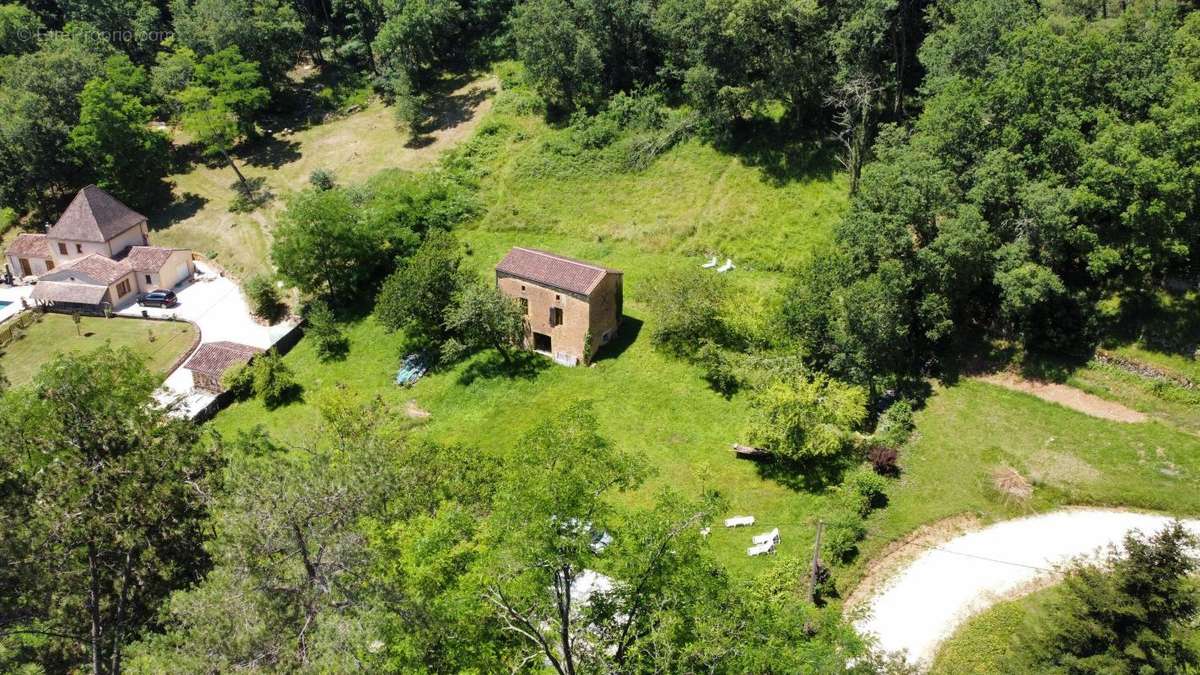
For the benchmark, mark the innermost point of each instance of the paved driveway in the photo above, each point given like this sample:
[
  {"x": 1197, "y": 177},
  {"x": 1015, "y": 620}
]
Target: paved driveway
[{"x": 216, "y": 305}]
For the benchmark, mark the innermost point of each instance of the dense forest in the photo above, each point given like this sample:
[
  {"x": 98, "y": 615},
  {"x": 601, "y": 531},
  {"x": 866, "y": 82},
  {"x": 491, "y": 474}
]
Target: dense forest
[{"x": 1022, "y": 175}]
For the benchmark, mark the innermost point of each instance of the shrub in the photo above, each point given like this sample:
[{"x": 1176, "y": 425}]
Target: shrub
[
  {"x": 239, "y": 382},
  {"x": 719, "y": 369},
  {"x": 8, "y": 218},
  {"x": 323, "y": 328},
  {"x": 688, "y": 304},
  {"x": 249, "y": 196},
  {"x": 274, "y": 382},
  {"x": 322, "y": 179},
  {"x": 264, "y": 297},
  {"x": 868, "y": 485},
  {"x": 895, "y": 424},
  {"x": 842, "y": 534},
  {"x": 806, "y": 419},
  {"x": 884, "y": 460}
]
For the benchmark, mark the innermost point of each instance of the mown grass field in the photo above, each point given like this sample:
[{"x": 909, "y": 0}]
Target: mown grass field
[
  {"x": 692, "y": 202},
  {"x": 56, "y": 334}
]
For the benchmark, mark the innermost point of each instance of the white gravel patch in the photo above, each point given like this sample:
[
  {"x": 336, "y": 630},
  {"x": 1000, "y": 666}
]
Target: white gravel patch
[{"x": 929, "y": 598}]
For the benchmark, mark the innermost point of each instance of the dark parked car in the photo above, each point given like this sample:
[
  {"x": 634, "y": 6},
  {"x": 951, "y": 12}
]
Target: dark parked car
[{"x": 158, "y": 298}]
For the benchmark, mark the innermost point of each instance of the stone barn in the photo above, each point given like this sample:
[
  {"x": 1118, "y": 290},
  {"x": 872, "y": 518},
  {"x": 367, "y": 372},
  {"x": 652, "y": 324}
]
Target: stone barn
[{"x": 572, "y": 307}]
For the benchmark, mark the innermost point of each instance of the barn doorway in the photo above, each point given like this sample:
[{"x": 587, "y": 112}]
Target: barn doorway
[{"x": 541, "y": 342}]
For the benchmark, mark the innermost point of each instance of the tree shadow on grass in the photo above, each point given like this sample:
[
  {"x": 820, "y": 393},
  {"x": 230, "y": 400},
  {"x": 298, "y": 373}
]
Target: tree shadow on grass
[
  {"x": 781, "y": 158},
  {"x": 447, "y": 110},
  {"x": 272, "y": 152},
  {"x": 522, "y": 366},
  {"x": 182, "y": 208},
  {"x": 294, "y": 393},
  {"x": 810, "y": 476},
  {"x": 626, "y": 335}
]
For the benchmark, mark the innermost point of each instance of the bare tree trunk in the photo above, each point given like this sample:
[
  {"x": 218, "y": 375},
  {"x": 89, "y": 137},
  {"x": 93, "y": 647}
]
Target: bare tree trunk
[
  {"x": 97, "y": 636},
  {"x": 564, "y": 617},
  {"x": 119, "y": 615},
  {"x": 241, "y": 178}
]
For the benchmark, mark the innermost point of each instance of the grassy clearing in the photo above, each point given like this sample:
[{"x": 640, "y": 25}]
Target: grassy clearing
[
  {"x": 646, "y": 403},
  {"x": 967, "y": 431},
  {"x": 354, "y": 147},
  {"x": 694, "y": 200},
  {"x": 56, "y": 334}
]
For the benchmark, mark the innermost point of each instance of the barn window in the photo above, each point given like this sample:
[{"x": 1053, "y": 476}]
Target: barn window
[{"x": 556, "y": 317}]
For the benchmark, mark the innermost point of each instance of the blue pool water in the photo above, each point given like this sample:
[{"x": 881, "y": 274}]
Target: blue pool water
[{"x": 4, "y": 304}]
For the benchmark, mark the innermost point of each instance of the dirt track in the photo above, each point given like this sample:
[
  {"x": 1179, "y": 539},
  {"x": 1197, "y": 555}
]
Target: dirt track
[{"x": 1069, "y": 397}]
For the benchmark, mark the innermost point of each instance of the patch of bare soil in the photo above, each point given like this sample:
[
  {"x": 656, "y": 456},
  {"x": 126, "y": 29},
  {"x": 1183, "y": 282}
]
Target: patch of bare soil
[
  {"x": 415, "y": 411},
  {"x": 1064, "y": 395},
  {"x": 896, "y": 555}
]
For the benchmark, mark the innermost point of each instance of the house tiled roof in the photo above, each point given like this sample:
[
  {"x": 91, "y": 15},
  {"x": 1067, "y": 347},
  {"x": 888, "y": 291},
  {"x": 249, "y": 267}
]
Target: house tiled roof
[
  {"x": 549, "y": 269},
  {"x": 214, "y": 358},
  {"x": 55, "y": 291},
  {"x": 94, "y": 215},
  {"x": 147, "y": 258},
  {"x": 30, "y": 246},
  {"x": 93, "y": 267}
]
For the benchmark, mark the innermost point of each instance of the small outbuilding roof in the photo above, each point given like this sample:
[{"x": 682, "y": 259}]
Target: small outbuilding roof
[
  {"x": 30, "y": 246},
  {"x": 72, "y": 292},
  {"x": 214, "y": 358},
  {"x": 549, "y": 269},
  {"x": 94, "y": 215},
  {"x": 148, "y": 258}
]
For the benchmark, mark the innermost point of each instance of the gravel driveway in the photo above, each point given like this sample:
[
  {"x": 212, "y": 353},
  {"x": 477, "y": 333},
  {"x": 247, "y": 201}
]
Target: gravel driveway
[{"x": 929, "y": 598}]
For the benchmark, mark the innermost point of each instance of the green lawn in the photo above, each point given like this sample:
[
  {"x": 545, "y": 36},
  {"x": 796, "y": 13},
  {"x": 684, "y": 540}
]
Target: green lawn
[
  {"x": 967, "y": 431},
  {"x": 645, "y": 402},
  {"x": 158, "y": 342}
]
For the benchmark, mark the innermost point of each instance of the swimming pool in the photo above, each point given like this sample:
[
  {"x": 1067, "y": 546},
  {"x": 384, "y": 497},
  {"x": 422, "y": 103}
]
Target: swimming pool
[{"x": 4, "y": 304}]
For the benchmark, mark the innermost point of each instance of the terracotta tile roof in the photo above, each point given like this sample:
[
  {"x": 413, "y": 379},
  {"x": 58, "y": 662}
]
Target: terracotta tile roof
[
  {"x": 93, "y": 268},
  {"x": 30, "y": 246},
  {"x": 147, "y": 258},
  {"x": 94, "y": 215},
  {"x": 60, "y": 291},
  {"x": 548, "y": 269},
  {"x": 214, "y": 358}
]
